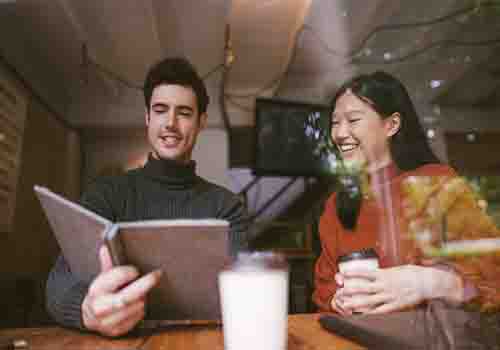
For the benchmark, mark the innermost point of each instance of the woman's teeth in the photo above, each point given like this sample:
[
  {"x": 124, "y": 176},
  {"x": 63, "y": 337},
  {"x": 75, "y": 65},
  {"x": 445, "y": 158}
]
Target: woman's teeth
[{"x": 346, "y": 148}]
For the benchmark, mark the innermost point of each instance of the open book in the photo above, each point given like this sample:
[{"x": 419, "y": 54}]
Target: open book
[{"x": 189, "y": 252}]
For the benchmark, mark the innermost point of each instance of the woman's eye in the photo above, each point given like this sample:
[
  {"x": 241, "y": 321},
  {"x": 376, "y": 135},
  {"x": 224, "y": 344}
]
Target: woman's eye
[
  {"x": 335, "y": 123},
  {"x": 354, "y": 120}
]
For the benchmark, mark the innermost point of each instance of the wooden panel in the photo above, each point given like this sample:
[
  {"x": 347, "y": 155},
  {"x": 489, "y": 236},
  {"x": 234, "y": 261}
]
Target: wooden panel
[{"x": 13, "y": 103}]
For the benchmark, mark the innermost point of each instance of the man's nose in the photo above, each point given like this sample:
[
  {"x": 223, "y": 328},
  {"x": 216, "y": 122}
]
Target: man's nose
[{"x": 171, "y": 120}]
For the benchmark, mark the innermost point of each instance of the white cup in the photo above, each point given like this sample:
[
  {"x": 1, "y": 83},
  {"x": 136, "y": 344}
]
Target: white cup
[
  {"x": 366, "y": 259},
  {"x": 254, "y": 302}
]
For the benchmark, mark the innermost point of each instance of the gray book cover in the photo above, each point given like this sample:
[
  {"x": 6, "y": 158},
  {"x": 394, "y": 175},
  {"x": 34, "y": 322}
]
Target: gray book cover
[{"x": 190, "y": 253}]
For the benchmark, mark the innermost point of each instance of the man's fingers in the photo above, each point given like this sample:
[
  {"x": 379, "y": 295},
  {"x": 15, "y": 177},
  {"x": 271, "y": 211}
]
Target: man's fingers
[
  {"x": 102, "y": 306},
  {"x": 105, "y": 259},
  {"x": 139, "y": 288},
  {"x": 112, "y": 280},
  {"x": 112, "y": 309},
  {"x": 120, "y": 315},
  {"x": 128, "y": 324},
  {"x": 123, "y": 321}
]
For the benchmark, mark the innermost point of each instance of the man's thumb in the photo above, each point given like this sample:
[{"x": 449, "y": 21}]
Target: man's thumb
[{"x": 105, "y": 259}]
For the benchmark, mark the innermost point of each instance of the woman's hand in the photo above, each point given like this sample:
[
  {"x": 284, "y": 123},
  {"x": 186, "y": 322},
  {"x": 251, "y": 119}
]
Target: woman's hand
[
  {"x": 396, "y": 288},
  {"x": 337, "y": 302}
]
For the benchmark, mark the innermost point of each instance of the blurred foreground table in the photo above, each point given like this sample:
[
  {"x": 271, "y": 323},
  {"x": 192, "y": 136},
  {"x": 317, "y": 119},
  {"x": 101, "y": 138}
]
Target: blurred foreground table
[{"x": 304, "y": 332}]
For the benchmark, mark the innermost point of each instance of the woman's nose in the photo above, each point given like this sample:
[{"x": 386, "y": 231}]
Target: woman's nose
[{"x": 341, "y": 130}]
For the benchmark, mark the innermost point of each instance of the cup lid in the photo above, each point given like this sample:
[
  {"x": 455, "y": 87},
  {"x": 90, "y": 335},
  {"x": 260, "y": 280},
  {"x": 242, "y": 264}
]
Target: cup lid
[
  {"x": 368, "y": 253},
  {"x": 258, "y": 260}
]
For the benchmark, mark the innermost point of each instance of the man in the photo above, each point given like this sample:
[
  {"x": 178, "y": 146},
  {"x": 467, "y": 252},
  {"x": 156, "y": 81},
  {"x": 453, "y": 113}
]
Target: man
[{"x": 167, "y": 187}]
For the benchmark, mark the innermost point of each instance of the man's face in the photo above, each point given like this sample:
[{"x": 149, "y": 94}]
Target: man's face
[{"x": 173, "y": 122}]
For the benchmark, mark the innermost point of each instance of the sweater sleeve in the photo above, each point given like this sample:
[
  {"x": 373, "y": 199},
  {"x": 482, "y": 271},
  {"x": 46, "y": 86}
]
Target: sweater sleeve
[
  {"x": 234, "y": 211},
  {"x": 480, "y": 272},
  {"x": 64, "y": 292},
  {"x": 64, "y": 295},
  {"x": 326, "y": 267},
  {"x": 467, "y": 221}
]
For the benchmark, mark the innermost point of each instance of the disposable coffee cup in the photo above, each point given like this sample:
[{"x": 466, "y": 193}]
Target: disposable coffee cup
[
  {"x": 366, "y": 259},
  {"x": 254, "y": 302}
]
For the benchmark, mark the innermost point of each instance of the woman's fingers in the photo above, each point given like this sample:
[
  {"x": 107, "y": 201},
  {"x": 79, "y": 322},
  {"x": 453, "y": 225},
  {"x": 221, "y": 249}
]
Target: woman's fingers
[
  {"x": 366, "y": 301},
  {"x": 339, "y": 278},
  {"x": 337, "y": 305},
  {"x": 384, "y": 308}
]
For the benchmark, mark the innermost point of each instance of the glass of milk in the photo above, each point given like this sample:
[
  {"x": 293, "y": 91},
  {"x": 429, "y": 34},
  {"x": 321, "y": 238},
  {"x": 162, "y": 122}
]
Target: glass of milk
[{"x": 254, "y": 302}]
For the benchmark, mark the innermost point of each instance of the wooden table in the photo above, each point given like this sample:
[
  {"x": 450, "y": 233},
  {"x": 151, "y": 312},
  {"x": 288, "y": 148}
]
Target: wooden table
[{"x": 304, "y": 333}]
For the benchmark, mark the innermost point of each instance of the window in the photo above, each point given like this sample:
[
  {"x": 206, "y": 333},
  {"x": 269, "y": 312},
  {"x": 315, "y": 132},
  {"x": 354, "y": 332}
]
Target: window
[{"x": 12, "y": 116}]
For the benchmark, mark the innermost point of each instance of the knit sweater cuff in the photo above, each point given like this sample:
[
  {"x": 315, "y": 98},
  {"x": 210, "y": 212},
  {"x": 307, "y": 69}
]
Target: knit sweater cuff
[
  {"x": 71, "y": 313},
  {"x": 239, "y": 242}
]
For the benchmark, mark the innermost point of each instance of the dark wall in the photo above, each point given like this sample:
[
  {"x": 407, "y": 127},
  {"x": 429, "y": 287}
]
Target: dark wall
[{"x": 50, "y": 156}]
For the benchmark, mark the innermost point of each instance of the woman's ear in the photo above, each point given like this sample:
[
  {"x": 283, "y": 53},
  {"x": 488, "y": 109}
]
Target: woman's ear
[{"x": 393, "y": 124}]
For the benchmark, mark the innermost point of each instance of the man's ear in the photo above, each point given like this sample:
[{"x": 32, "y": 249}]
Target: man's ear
[
  {"x": 146, "y": 116},
  {"x": 393, "y": 124},
  {"x": 203, "y": 120}
]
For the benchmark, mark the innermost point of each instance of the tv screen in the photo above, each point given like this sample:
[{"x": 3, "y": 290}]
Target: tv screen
[{"x": 286, "y": 138}]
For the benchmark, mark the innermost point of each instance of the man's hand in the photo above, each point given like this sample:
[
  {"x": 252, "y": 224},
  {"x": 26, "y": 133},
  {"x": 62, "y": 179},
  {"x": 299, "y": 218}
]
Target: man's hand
[
  {"x": 396, "y": 288},
  {"x": 115, "y": 301}
]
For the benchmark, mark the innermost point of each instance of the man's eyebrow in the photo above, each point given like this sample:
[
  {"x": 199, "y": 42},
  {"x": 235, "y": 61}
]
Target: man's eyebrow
[{"x": 159, "y": 104}]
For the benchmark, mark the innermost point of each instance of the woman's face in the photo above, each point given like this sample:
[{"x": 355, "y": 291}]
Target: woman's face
[{"x": 360, "y": 133}]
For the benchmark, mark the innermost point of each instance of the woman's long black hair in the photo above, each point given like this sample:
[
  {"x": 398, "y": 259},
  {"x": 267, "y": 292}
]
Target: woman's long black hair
[{"x": 387, "y": 95}]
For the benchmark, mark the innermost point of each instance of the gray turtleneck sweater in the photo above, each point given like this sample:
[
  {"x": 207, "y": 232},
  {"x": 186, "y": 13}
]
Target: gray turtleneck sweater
[{"x": 161, "y": 189}]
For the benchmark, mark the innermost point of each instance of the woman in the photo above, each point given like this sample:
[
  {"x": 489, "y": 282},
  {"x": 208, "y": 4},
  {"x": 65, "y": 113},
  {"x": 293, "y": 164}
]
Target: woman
[{"x": 374, "y": 122}]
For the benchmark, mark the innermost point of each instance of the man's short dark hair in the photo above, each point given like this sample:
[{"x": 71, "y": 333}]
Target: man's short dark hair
[{"x": 176, "y": 71}]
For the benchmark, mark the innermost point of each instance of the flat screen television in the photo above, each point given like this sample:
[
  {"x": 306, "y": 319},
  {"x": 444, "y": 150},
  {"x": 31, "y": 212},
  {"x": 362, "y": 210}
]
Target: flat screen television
[{"x": 285, "y": 143}]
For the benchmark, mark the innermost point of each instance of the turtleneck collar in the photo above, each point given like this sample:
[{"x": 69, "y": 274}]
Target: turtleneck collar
[
  {"x": 385, "y": 175},
  {"x": 170, "y": 171}
]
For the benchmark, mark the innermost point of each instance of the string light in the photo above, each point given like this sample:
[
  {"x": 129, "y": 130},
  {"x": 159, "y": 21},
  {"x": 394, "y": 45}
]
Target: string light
[
  {"x": 436, "y": 109},
  {"x": 471, "y": 137},
  {"x": 352, "y": 57},
  {"x": 434, "y": 84}
]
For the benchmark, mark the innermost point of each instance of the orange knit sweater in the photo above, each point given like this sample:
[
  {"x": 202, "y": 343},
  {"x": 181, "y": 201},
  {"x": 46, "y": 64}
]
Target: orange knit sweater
[{"x": 374, "y": 219}]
